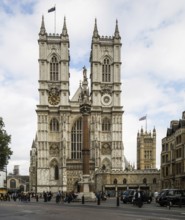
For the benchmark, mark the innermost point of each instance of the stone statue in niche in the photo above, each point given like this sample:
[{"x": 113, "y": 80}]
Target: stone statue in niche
[
  {"x": 106, "y": 150},
  {"x": 54, "y": 151}
]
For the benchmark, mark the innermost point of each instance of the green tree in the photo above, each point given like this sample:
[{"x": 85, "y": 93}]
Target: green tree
[{"x": 5, "y": 151}]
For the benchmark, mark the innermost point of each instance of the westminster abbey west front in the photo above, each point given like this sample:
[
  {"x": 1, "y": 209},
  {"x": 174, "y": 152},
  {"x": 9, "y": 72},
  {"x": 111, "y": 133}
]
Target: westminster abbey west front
[{"x": 56, "y": 154}]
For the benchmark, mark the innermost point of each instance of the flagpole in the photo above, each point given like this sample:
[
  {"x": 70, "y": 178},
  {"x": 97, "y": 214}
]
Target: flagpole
[
  {"x": 55, "y": 21},
  {"x": 146, "y": 123}
]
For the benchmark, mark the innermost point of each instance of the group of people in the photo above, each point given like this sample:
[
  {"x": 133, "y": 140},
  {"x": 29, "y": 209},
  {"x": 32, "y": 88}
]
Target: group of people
[{"x": 65, "y": 197}]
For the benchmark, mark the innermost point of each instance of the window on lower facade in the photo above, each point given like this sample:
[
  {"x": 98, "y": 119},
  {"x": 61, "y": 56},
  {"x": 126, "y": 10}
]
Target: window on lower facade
[
  {"x": 76, "y": 140},
  {"x": 106, "y": 125},
  {"x": 12, "y": 184},
  {"x": 54, "y": 125}
]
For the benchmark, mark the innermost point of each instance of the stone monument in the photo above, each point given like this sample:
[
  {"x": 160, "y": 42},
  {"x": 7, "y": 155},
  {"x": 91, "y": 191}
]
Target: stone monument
[{"x": 85, "y": 108}]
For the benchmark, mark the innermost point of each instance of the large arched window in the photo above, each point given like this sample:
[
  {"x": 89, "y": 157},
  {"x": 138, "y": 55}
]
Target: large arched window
[
  {"x": 54, "y": 69},
  {"x": 76, "y": 140},
  {"x": 54, "y": 125},
  {"x": 106, "y": 74},
  {"x": 106, "y": 125},
  {"x": 12, "y": 184}
]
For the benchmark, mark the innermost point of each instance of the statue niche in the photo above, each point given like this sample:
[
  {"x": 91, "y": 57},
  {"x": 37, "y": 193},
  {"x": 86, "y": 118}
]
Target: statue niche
[
  {"x": 106, "y": 149},
  {"x": 54, "y": 150}
]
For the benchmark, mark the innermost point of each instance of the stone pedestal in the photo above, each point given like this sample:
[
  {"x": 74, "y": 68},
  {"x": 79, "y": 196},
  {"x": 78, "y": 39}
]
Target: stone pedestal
[{"x": 85, "y": 185}]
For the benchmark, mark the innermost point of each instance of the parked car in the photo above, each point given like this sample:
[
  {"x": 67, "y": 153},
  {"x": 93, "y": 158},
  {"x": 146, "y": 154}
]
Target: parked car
[
  {"x": 171, "y": 197},
  {"x": 146, "y": 197},
  {"x": 129, "y": 196}
]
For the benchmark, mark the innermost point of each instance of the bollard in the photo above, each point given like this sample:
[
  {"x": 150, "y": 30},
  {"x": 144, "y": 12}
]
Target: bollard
[
  {"x": 117, "y": 201},
  {"x": 180, "y": 203},
  {"x": 83, "y": 199},
  {"x": 169, "y": 204},
  {"x": 37, "y": 198},
  {"x": 98, "y": 201}
]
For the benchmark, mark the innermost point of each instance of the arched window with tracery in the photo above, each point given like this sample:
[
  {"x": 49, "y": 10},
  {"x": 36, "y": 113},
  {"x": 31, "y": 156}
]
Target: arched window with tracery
[
  {"x": 54, "y": 125},
  {"x": 54, "y": 69},
  {"x": 106, "y": 73},
  {"x": 106, "y": 125},
  {"x": 124, "y": 181},
  {"x": 76, "y": 139},
  {"x": 12, "y": 184}
]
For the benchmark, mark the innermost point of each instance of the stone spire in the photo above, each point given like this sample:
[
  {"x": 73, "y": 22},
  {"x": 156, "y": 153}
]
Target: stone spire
[
  {"x": 116, "y": 33},
  {"x": 42, "y": 28},
  {"x": 84, "y": 98},
  {"x": 64, "y": 29},
  {"x": 95, "y": 32}
]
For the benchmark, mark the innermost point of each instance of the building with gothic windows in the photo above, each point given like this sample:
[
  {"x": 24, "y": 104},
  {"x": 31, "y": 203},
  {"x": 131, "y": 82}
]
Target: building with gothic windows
[{"x": 56, "y": 153}]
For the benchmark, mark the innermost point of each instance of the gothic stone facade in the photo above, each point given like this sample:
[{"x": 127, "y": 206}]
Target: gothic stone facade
[{"x": 56, "y": 154}]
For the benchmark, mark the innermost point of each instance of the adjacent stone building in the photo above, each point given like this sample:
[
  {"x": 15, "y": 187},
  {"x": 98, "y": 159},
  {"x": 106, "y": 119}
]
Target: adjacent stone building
[{"x": 173, "y": 155}]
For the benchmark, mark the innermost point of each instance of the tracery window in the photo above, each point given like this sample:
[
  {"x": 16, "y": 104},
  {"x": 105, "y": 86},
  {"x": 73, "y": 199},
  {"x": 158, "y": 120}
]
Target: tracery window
[
  {"x": 54, "y": 125},
  {"x": 106, "y": 73},
  {"x": 124, "y": 181},
  {"x": 54, "y": 69},
  {"x": 106, "y": 125},
  {"x": 76, "y": 139},
  {"x": 12, "y": 184}
]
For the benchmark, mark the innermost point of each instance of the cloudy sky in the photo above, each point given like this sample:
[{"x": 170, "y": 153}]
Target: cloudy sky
[{"x": 153, "y": 66}]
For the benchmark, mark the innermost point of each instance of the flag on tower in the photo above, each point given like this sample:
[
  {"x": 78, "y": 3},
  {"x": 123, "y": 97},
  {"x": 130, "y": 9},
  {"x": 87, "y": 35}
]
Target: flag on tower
[
  {"x": 142, "y": 118},
  {"x": 51, "y": 9}
]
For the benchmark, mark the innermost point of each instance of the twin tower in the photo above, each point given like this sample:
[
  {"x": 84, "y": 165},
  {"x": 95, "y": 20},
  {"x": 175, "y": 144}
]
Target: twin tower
[{"x": 56, "y": 154}]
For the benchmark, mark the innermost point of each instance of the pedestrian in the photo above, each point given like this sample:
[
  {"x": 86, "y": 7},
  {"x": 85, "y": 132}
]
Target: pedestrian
[{"x": 138, "y": 198}]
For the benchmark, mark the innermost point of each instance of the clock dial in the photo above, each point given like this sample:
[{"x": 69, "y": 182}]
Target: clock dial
[
  {"x": 106, "y": 99},
  {"x": 54, "y": 99},
  {"x": 54, "y": 96}
]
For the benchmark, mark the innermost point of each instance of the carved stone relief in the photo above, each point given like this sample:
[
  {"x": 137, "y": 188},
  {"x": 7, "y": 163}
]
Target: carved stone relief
[
  {"x": 106, "y": 149},
  {"x": 54, "y": 150}
]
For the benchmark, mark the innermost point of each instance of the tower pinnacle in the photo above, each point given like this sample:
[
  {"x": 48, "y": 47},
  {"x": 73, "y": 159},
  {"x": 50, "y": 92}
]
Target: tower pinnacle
[
  {"x": 95, "y": 32},
  {"x": 116, "y": 33},
  {"x": 42, "y": 28},
  {"x": 64, "y": 29}
]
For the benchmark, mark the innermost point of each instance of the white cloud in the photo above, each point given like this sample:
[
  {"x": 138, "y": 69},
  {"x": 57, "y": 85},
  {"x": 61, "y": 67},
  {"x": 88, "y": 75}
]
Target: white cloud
[{"x": 153, "y": 66}]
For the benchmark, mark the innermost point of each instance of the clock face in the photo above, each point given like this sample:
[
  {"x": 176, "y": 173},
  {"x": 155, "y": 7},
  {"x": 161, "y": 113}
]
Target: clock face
[
  {"x": 106, "y": 99},
  {"x": 54, "y": 99},
  {"x": 54, "y": 96}
]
